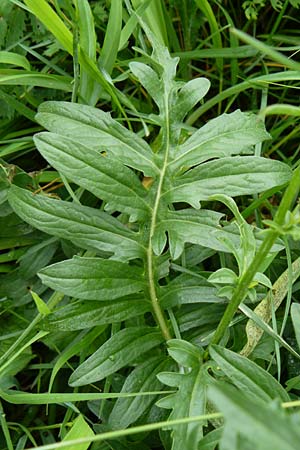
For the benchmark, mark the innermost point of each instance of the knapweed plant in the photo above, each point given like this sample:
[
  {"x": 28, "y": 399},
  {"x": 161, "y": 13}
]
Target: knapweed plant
[{"x": 136, "y": 278}]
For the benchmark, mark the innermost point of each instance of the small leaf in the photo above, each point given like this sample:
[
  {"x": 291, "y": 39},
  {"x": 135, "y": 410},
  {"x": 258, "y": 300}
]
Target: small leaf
[
  {"x": 223, "y": 276},
  {"x": 149, "y": 79},
  {"x": 188, "y": 96},
  {"x": 80, "y": 429},
  {"x": 211, "y": 439},
  {"x": 42, "y": 307},
  {"x": 262, "y": 279},
  {"x": 118, "y": 351},
  {"x": 93, "y": 278}
]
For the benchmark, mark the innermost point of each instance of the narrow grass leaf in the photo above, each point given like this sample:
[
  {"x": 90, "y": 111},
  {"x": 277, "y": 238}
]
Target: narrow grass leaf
[
  {"x": 10, "y": 77},
  {"x": 267, "y": 50},
  {"x": 24, "y": 398},
  {"x": 207, "y": 10},
  {"x": 14, "y": 59},
  {"x": 281, "y": 109},
  {"x": 80, "y": 343},
  {"x": 88, "y": 90},
  {"x": 131, "y": 23},
  {"x": 43, "y": 11},
  {"x": 267, "y": 329},
  {"x": 110, "y": 45},
  {"x": 19, "y": 107},
  {"x": 257, "y": 82},
  {"x": 154, "y": 18}
]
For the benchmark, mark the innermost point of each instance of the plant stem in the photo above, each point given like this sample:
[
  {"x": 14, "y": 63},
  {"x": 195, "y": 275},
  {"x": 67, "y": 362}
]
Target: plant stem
[
  {"x": 158, "y": 312},
  {"x": 243, "y": 285}
]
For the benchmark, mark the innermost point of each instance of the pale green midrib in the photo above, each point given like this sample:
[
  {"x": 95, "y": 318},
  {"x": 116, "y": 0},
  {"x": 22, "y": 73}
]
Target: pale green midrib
[{"x": 158, "y": 312}]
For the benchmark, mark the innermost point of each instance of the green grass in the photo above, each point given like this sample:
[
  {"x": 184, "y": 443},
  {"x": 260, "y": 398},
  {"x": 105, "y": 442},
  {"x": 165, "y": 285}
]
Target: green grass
[{"x": 130, "y": 319}]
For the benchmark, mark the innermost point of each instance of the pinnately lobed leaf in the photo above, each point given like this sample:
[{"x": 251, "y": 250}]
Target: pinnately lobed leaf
[
  {"x": 136, "y": 276},
  {"x": 190, "y": 398}
]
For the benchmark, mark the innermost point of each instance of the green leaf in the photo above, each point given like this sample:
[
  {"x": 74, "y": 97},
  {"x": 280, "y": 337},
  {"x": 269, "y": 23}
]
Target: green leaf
[
  {"x": 118, "y": 351},
  {"x": 42, "y": 307},
  {"x": 266, "y": 328},
  {"x": 93, "y": 278},
  {"x": 266, "y": 426},
  {"x": 187, "y": 225},
  {"x": 190, "y": 399},
  {"x": 186, "y": 289},
  {"x": 103, "y": 176},
  {"x": 223, "y": 276},
  {"x": 295, "y": 315},
  {"x": 80, "y": 429},
  {"x": 97, "y": 130},
  {"x": 79, "y": 344},
  {"x": 85, "y": 227},
  {"x": 200, "y": 316},
  {"x": 211, "y": 439},
  {"x": 188, "y": 96},
  {"x": 15, "y": 59},
  {"x": 226, "y": 135},
  {"x": 229, "y": 176},
  {"x": 197, "y": 227},
  {"x": 254, "y": 381},
  {"x": 10, "y": 77},
  {"x": 45, "y": 13},
  {"x": 88, "y": 89},
  {"x": 142, "y": 379},
  {"x": 87, "y": 314},
  {"x": 110, "y": 45}
]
